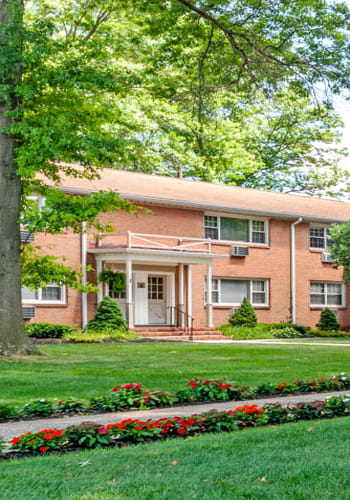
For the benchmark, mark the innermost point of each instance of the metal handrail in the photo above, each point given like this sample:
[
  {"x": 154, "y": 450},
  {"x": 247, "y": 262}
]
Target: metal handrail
[{"x": 185, "y": 315}]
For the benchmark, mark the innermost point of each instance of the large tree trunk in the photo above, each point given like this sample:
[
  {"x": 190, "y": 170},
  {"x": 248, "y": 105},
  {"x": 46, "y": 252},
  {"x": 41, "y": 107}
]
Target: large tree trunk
[{"x": 13, "y": 338}]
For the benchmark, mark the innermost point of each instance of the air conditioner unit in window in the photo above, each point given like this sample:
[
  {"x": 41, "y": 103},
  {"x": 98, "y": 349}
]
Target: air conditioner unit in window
[
  {"x": 327, "y": 258},
  {"x": 239, "y": 251},
  {"x": 26, "y": 236},
  {"x": 28, "y": 312}
]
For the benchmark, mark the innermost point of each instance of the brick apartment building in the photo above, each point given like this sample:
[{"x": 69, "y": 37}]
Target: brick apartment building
[{"x": 202, "y": 249}]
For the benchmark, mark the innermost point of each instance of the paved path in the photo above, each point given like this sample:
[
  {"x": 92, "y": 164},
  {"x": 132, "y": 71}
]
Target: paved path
[
  {"x": 267, "y": 341},
  {"x": 10, "y": 430}
]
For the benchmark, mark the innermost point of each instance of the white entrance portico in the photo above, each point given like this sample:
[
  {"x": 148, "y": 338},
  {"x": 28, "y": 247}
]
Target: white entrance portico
[{"x": 155, "y": 269}]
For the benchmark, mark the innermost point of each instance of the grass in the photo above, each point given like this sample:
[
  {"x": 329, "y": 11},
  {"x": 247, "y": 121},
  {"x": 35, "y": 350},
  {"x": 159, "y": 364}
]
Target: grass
[
  {"x": 84, "y": 370},
  {"x": 307, "y": 460}
]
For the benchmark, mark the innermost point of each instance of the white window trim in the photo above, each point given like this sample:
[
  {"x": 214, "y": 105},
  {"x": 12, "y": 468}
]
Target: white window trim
[
  {"x": 324, "y": 226},
  {"x": 245, "y": 217},
  {"x": 330, "y": 306},
  {"x": 235, "y": 304},
  {"x": 40, "y": 301}
]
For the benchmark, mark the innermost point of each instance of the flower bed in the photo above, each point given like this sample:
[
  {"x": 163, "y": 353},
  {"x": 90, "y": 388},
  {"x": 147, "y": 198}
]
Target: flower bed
[
  {"x": 89, "y": 435},
  {"x": 136, "y": 397}
]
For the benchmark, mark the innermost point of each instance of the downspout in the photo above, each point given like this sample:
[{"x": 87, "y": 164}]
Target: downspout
[
  {"x": 293, "y": 268},
  {"x": 84, "y": 304}
]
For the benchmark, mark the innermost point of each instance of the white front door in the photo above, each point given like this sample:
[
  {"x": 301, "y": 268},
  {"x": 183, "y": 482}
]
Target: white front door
[{"x": 157, "y": 299}]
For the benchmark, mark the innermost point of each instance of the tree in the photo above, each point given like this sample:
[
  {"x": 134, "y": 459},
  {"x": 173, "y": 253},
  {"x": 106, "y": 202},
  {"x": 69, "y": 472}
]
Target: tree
[
  {"x": 328, "y": 321},
  {"x": 244, "y": 316},
  {"x": 340, "y": 247},
  {"x": 107, "y": 315},
  {"x": 98, "y": 83}
]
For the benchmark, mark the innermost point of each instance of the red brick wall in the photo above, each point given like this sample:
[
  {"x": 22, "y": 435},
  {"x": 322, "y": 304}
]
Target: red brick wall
[{"x": 271, "y": 262}]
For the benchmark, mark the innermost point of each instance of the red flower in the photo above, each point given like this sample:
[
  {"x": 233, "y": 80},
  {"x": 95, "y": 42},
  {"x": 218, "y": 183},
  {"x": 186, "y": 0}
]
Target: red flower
[
  {"x": 116, "y": 389},
  {"x": 183, "y": 424},
  {"x": 193, "y": 384},
  {"x": 102, "y": 430},
  {"x": 313, "y": 384},
  {"x": 59, "y": 402},
  {"x": 147, "y": 399},
  {"x": 181, "y": 431},
  {"x": 145, "y": 393},
  {"x": 282, "y": 385},
  {"x": 31, "y": 441},
  {"x": 58, "y": 433},
  {"x": 164, "y": 431},
  {"x": 43, "y": 449},
  {"x": 168, "y": 424},
  {"x": 191, "y": 421},
  {"x": 48, "y": 436},
  {"x": 15, "y": 440},
  {"x": 138, "y": 427}
]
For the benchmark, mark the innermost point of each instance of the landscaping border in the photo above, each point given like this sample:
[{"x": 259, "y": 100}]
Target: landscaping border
[
  {"x": 134, "y": 396},
  {"x": 90, "y": 435}
]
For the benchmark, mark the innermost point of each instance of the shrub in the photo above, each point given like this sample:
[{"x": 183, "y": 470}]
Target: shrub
[
  {"x": 288, "y": 332},
  {"x": 37, "y": 408},
  {"x": 108, "y": 315},
  {"x": 244, "y": 316},
  {"x": 87, "y": 435},
  {"x": 213, "y": 390},
  {"x": 70, "y": 406},
  {"x": 304, "y": 330},
  {"x": 7, "y": 412},
  {"x": 48, "y": 330},
  {"x": 328, "y": 321},
  {"x": 2, "y": 445},
  {"x": 103, "y": 334},
  {"x": 333, "y": 333}
]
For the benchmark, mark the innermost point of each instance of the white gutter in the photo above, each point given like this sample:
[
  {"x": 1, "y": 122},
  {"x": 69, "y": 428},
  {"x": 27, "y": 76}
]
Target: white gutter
[
  {"x": 293, "y": 268},
  {"x": 84, "y": 305}
]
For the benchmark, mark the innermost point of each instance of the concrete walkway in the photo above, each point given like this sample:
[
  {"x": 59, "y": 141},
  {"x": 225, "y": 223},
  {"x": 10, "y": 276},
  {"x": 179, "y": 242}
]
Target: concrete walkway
[
  {"x": 268, "y": 341},
  {"x": 10, "y": 430}
]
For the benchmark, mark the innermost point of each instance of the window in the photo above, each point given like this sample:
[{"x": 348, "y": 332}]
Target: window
[
  {"x": 232, "y": 229},
  {"x": 155, "y": 287},
  {"x": 232, "y": 291},
  {"x": 211, "y": 227},
  {"x": 52, "y": 294},
  {"x": 320, "y": 237},
  {"x": 327, "y": 294}
]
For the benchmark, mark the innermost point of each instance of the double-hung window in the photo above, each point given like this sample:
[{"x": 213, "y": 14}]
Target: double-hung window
[
  {"x": 327, "y": 294},
  {"x": 51, "y": 294},
  {"x": 233, "y": 229},
  {"x": 320, "y": 237},
  {"x": 233, "y": 291}
]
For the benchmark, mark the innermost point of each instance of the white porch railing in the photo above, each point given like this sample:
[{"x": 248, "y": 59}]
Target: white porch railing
[{"x": 129, "y": 239}]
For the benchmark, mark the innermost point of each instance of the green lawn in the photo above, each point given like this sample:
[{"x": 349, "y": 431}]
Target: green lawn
[
  {"x": 303, "y": 461},
  {"x": 89, "y": 370}
]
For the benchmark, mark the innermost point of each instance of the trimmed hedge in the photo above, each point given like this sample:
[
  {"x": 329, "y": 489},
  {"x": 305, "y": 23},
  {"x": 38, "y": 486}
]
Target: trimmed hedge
[{"x": 49, "y": 330}]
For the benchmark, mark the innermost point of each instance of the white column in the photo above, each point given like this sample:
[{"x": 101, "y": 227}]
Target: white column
[
  {"x": 99, "y": 285},
  {"x": 209, "y": 296},
  {"x": 189, "y": 293},
  {"x": 181, "y": 294},
  {"x": 129, "y": 302},
  {"x": 84, "y": 304}
]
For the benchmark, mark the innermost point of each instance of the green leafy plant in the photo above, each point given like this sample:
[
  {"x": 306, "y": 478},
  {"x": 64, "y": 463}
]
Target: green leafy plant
[
  {"x": 2, "y": 444},
  {"x": 39, "y": 442},
  {"x": 244, "y": 316},
  {"x": 287, "y": 332},
  {"x": 49, "y": 330},
  {"x": 220, "y": 389},
  {"x": 115, "y": 279},
  {"x": 88, "y": 435},
  {"x": 328, "y": 321},
  {"x": 37, "y": 408},
  {"x": 70, "y": 406},
  {"x": 108, "y": 315},
  {"x": 89, "y": 336},
  {"x": 7, "y": 412}
]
